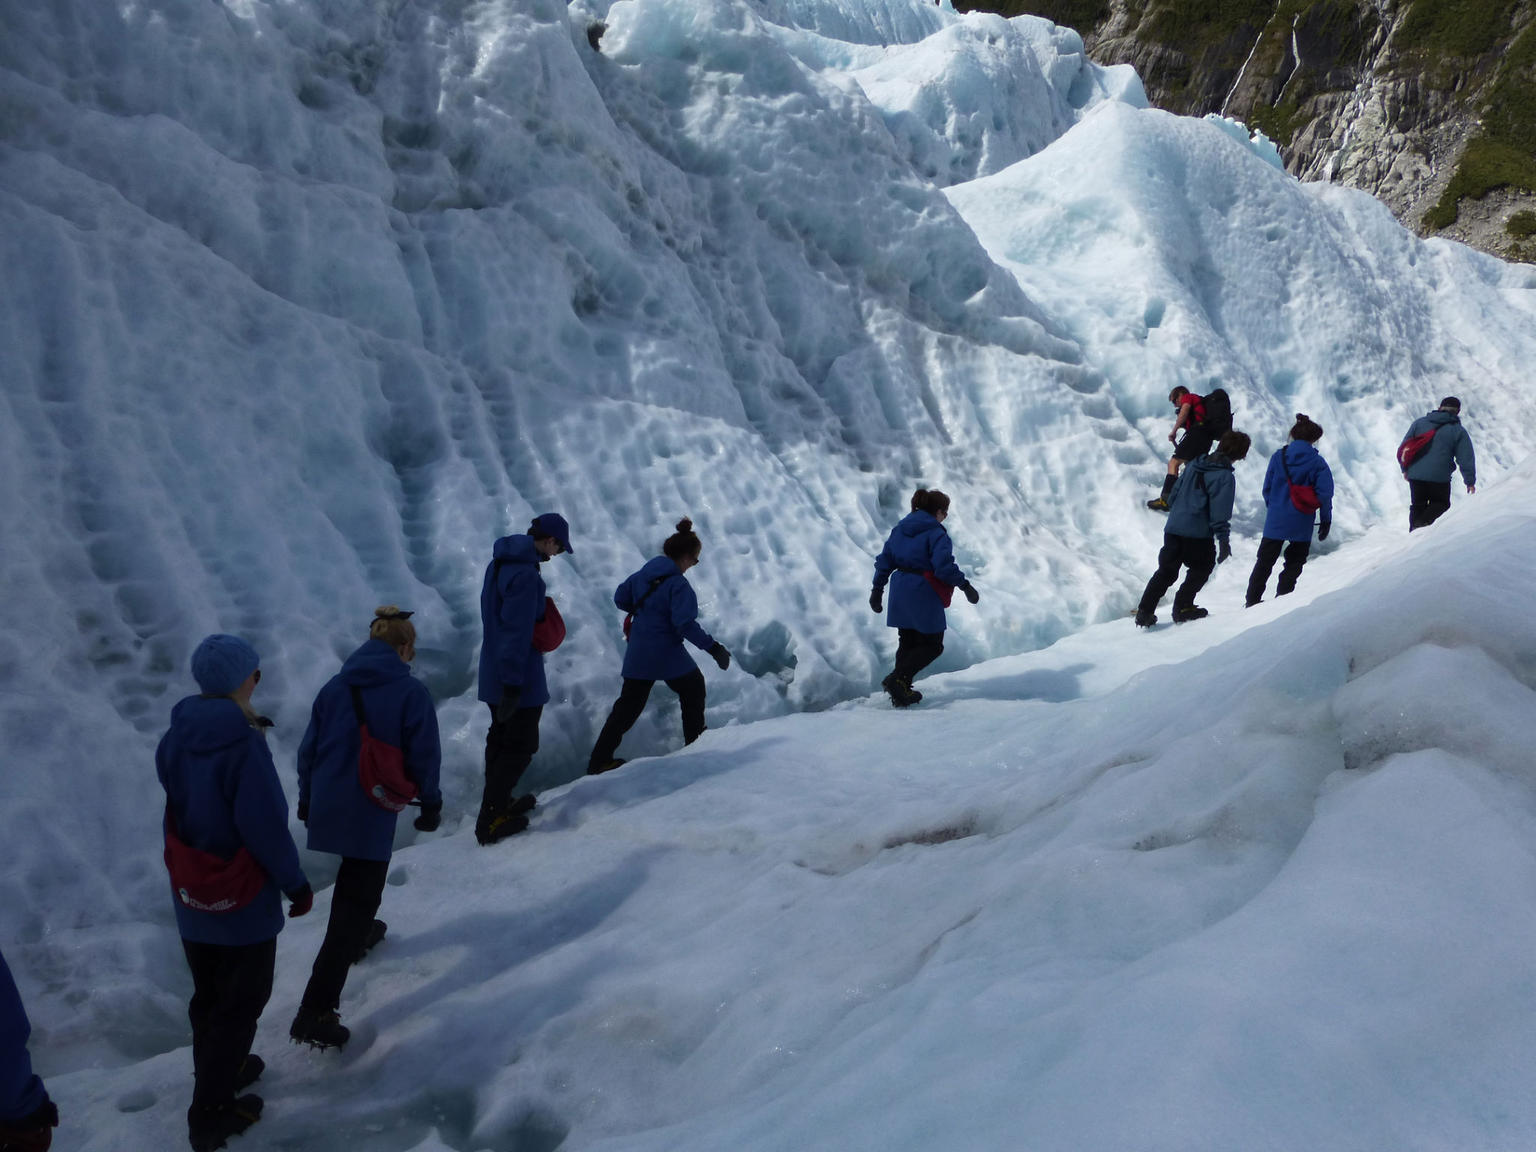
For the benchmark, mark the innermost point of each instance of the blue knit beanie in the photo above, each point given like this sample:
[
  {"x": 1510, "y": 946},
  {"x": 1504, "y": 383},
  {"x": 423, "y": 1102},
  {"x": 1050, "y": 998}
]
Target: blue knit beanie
[{"x": 221, "y": 664}]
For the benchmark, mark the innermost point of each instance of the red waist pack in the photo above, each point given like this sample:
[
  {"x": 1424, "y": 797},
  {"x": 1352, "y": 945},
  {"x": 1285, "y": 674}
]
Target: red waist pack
[
  {"x": 210, "y": 883},
  {"x": 946, "y": 592},
  {"x": 549, "y": 633},
  {"x": 1410, "y": 450},
  {"x": 1304, "y": 498},
  {"x": 381, "y": 766}
]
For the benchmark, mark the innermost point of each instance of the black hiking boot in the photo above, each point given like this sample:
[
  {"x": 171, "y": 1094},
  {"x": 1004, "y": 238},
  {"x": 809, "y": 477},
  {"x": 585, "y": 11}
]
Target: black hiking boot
[
  {"x": 211, "y": 1128},
  {"x": 900, "y": 689},
  {"x": 1145, "y": 618},
  {"x": 376, "y": 932},
  {"x": 319, "y": 1029},
  {"x": 499, "y": 825},
  {"x": 605, "y": 766},
  {"x": 1193, "y": 612},
  {"x": 251, "y": 1069}
]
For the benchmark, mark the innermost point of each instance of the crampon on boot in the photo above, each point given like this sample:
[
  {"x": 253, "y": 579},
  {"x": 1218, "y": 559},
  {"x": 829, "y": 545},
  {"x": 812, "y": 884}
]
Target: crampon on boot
[{"x": 319, "y": 1029}]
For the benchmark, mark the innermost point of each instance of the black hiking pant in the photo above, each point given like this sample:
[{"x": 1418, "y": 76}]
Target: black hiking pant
[
  {"x": 1197, "y": 554},
  {"x": 509, "y": 749},
  {"x": 354, "y": 902},
  {"x": 230, "y": 986},
  {"x": 1296, "y": 552},
  {"x": 1428, "y": 501},
  {"x": 631, "y": 702},
  {"x": 915, "y": 651}
]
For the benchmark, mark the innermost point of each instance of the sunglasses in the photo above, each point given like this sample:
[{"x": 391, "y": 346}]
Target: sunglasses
[{"x": 256, "y": 676}]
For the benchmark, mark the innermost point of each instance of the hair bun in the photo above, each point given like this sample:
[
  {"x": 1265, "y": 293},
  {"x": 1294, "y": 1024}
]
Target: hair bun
[
  {"x": 1302, "y": 416},
  {"x": 685, "y": 525}
]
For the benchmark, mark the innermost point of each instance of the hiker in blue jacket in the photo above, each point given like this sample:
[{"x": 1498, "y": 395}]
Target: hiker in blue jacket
[
  {"x": 27, "y": 1116},
  {"x": 1285, "y": 526},
  {"x": 1429, "y": 475},
  {"x": 512, "y": 603},
  {"x": 1197, "y": 536},
  {"x": 375, "y": 680},
  {"x": 664, "y": 612},
  {"x": 222, "y": 796},
  {"x": 918, "y": 561}
]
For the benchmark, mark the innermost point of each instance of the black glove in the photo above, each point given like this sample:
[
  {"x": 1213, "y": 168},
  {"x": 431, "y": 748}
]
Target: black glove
[
  {"x": 304, "y": 812},
  {"x": 303, "y": 900},
  {"x": 1224, "y": 551},
  {"x": 877, "y": 599},
  {"x": 970, "y": 593},
  {"x": 32, "y": 1132},
  {"x": 431, "y": 816},
  {"x": 722, "y": 657},
  {"x": 506, "y": 707},
  {"x": 1322, "y": 529}
]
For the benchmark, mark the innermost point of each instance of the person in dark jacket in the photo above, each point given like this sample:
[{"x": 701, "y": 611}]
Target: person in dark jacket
[
  {"x": 1197, "y": 536},
  {"x": 664, "y": 612},
  {"x": 1286, "y": 526},
  {"x": 27, "y": 1116},
  {"x": 512, "y": 603},
  {"x": 918, "y": 562},
  {"x": 1429, "y": 476},
  {"x": 222, "y": 797},
  {"x": 375, "y": 681}
]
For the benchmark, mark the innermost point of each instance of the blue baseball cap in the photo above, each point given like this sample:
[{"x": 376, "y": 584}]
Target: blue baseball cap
[{"x": 552, "y": 524}]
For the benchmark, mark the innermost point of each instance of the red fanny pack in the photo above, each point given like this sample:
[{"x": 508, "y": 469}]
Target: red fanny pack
[
  {"x": 946, "y": 592},
  {"x": 381, "y": 766},
  {"x": 1410, "y": 450},
  {"x": 209, "y": 883},
  {"x": 1304, "y": 497},
  {"x": 549, "y": 633}
]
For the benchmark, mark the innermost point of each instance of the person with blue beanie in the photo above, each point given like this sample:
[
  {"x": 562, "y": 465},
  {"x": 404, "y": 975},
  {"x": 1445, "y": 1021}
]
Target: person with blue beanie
[
  {"x": 512, "y": 606},
  {"x": 1297, "y": 465},
  {"x": 231, "y": 859},
  {"x": 1446, "y": 446},
  {"x": 663, "y": 613},
  {"x": 374, "y": 688},
  {"x": 1197, "y": 536},
  {"x": 27, "y": 1116},
  {"x": 918, "y": 562}
]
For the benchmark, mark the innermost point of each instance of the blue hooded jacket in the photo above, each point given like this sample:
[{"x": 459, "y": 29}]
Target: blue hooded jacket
[
  {"x": 1200, "y": 505},
  {"x": 669, "y": 615},
  {"x": 400, "y": 712},
  {"x": 1450, "y": 449},
  {"x": 21, "y": 1092},
  {"x": 223, "y": 790},
  {"x": 916, "y": 545},
  {"x": 511, "y": 603},
  {"x": 1282, "y": 519}
]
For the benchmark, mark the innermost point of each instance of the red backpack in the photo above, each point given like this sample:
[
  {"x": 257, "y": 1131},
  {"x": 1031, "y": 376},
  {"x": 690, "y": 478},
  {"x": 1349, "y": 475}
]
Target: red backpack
[
  {"x": 1303, "y": 496},
  {"x": 1414, "y": 447},
  {"x": 209, "y": 883},
  {"x": 381, "y": 766}
]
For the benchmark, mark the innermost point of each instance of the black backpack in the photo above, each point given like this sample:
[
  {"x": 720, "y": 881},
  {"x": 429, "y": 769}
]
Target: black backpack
[{"x": 1218, "y": 412}]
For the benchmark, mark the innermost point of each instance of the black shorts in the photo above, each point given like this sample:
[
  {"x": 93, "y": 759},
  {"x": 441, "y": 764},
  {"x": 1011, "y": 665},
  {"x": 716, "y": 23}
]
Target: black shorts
[{"x": 1195, "y": 443}]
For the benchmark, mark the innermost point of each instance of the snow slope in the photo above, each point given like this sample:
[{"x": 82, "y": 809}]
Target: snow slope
[
  {"x": 307, "y": 301},
  {"x": 1256, "y": 882}
]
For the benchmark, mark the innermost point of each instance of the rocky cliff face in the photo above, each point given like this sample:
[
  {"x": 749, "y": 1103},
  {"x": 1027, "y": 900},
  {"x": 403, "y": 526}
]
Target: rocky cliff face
[{"x": 1429, "y": 105}]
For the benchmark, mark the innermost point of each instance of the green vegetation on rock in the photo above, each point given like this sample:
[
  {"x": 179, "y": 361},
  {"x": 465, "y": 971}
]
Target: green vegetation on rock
[{"x": 1522, "y": 225}]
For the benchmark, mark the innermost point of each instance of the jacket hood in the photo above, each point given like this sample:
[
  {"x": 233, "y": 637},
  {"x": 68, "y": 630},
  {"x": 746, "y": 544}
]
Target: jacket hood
[
  {"x": 1443, "y": 418},
  {"x": 919, "y": 523},
  {"x": 1212, "y": 462},
  {"x": 208, "y": 723},
  {"x": 657, "y": 566},
  {"x": 516, "y": 550},
  {"x": 374, "y": 663},
  {"x": 1298, "y": 452}
]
